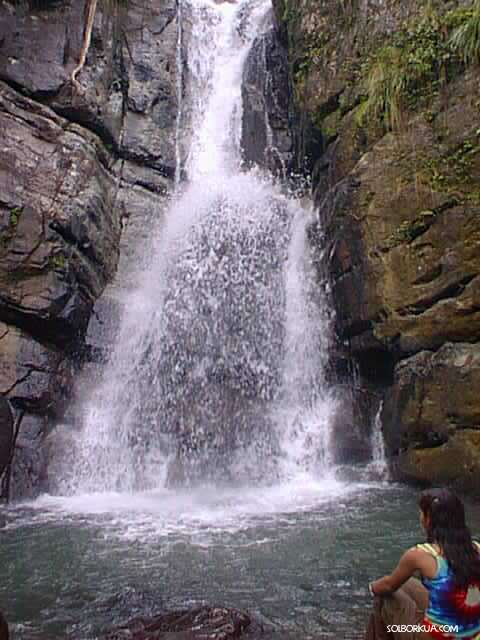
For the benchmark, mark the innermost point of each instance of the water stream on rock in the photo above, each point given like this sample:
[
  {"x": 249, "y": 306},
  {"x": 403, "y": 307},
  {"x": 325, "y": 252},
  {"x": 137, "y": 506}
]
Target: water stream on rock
[
  {"x": 218, "y": 370},
  {"x": 203, "y": 468},
  {"x": 378, "y": 467}
]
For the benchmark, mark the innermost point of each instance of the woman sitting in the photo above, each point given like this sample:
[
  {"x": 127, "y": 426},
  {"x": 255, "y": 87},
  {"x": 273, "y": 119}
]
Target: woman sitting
[{"x": 446, "y": 604}]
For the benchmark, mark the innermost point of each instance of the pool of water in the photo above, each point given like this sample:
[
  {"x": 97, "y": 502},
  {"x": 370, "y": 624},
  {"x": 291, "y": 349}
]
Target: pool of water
[{"x": 299, "y": 556}]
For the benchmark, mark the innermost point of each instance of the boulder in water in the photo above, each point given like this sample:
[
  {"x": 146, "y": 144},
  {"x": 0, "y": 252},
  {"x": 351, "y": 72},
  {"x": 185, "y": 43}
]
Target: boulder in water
[
  {"x": 4, "y": 635},
  {"x": 202, "y": 623}
]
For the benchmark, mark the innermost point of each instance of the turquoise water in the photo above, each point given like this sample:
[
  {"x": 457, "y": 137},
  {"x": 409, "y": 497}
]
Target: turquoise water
[{"x": 298, "y": 556}]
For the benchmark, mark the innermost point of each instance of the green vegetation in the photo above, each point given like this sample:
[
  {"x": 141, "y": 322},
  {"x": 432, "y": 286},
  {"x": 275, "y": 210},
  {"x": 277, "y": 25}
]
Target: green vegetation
[
  {"x": 387, "y": 86},
  {"x": 15, "y": 215},
  {"x": 411, "y": 229},
  {"x": 58, "y": 261},
  {"x": 419, "y": 59},
  {"x": 466, "y": 37},
  {"x": 454, "y": 171}
]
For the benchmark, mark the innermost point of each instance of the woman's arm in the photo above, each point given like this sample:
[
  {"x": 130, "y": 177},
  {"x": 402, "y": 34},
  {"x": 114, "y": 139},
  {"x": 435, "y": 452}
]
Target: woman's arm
[{"x": 408, "y": 564}]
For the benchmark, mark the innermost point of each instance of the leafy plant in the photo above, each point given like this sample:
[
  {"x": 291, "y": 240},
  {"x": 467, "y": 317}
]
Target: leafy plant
[
  {"x": 387, "y": 83},
  {"x": 419, "y": 59},
  {"x": 466, "y": 37}
]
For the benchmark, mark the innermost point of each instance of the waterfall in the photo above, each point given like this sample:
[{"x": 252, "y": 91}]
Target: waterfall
[
  {"x": 179, "y": 87},
  {"x": 378, "y": 466},
  {"x": 218, "y": 369}
]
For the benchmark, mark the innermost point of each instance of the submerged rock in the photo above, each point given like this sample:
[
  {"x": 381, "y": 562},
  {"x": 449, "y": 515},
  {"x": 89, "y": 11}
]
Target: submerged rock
[
  {"x": 4, "y": 635},
  {"x": 203, "y": 623}
]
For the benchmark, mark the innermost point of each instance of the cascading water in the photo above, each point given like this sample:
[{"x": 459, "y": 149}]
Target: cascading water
[
  {"x": 218, "y": 369},
  {"x": 378, "y": 467}
]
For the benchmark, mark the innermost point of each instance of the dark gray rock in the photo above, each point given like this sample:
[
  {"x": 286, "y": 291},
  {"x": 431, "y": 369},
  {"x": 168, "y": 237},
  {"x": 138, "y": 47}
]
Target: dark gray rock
[
  {"x": 41, "y": 48},
  {"x": 35, "y": 377},
  {"x": 4, "y": 634},
  {"x": 266, "y": 132},
  {"x": 204, "y": 623},
  {"x": 150, "y": 118},
  {"x": 6, "y": 434},
  {"x": 78, "y": 164},
  {"x": 60, "y": 228},
  {"x": 29, "y": 461}
]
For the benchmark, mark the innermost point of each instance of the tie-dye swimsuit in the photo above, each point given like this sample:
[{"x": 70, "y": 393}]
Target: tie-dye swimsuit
[{"x": 450, "y": 605}]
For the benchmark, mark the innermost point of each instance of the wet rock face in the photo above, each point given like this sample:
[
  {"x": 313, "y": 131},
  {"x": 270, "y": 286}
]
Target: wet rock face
[
  {"x": 266, "y": 132},
  {"x": 432, "y": 416},
  {"x": 60, "y": 228},
  {"x": 78, "y": 166},
  {"x": 60, "y": 233},
  {"x": 6, "y": 434},
  {"x": 400, "y": 211}
]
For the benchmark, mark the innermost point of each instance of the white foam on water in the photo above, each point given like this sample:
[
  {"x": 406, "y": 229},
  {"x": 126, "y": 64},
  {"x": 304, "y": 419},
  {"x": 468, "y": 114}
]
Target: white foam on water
[{"x": 200, "y": 516}]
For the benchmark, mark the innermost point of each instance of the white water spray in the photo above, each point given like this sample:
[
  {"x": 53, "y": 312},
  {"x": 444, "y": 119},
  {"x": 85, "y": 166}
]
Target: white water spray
[
  {"x": 218, "y": 370},
  {"x": 378, "y": 467}
]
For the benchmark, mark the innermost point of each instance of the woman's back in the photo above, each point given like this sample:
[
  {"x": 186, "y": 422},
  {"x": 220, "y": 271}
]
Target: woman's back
[
  {"x": 447, "y": 603},
  {"x": 451, "y": 605}
]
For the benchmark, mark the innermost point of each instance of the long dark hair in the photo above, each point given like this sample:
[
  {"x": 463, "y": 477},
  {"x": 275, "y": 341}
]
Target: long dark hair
[{"x": 447, "y": 528}]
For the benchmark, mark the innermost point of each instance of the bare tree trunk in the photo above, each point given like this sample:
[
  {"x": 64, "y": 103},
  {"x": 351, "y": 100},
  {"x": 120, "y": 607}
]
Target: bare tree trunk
[{"x": 87, "y": 37}]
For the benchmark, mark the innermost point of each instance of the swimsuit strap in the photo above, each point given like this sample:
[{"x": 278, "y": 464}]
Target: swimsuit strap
[{"x": 429, "y": 548}]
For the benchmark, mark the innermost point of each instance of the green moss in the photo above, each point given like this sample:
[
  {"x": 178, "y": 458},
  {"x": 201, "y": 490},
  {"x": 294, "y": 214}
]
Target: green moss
[
  {"x": 311, "y": 54},
  {"x": 425, "y": 54},
  {"x": 329, "y": 125},
  {"x": 15, "y": 214},
  {"x": 411, "y": 229},
  {"x": 454, "y": 172},
  {"x": 58, "y": 261}
]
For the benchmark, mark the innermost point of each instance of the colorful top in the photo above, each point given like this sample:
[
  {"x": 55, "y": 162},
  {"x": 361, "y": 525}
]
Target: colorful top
[{"x": 451, "y": 605}]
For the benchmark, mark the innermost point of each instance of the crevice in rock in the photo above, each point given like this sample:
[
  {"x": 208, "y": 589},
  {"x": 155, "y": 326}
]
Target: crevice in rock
[
  {"x": 34, "y": 96},
  {"x": 109, "y": 144},
  {"x": 6, "y": 475},
  {"x": 71, "y": 114},
  {"x": 156, "y": 189},
  {"x": 54, "y": 333},
  {"x": 376, "y": 366},
  {"x": 70, "y": 239},
  {"x": 451, "y": 291},
  {"x": 150, "y": 162},
  {"x": 356, "y": 329},
  {"x": 430, "y": 276}
]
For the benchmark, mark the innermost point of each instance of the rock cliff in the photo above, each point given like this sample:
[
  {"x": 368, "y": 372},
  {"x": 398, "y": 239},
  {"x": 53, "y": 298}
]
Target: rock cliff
[
  {"x": 384, "y": 101},
  {"x": 387, "y": 102},
  {"x": 78, "y": 164}
]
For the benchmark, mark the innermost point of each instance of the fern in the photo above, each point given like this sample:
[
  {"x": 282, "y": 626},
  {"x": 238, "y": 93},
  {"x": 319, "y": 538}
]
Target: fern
[
  {"x": 386, "y": 87},
  {"x": 466, "y": 38},
  {"x": 409, "y": 70}
]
